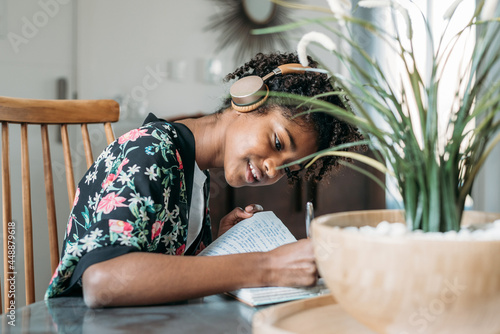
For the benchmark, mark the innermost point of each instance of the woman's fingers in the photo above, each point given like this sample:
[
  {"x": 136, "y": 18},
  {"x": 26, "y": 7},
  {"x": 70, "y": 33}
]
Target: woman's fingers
[
  {"x": 253, "y": 208},
  {"x": 293, "y": 264},
  {"x": 237, "y": 215}
]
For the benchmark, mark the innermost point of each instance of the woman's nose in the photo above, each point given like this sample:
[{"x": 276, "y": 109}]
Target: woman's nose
[{"x": 270, "y": 167}]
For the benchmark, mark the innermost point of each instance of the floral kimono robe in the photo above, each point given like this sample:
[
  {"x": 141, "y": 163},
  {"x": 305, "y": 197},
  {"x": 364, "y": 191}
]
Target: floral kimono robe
[{"x": 134, "y": 198}]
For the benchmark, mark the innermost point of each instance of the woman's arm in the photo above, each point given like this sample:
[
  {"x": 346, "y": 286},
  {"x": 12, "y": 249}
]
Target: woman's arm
[{"x": 148, "y": 278}]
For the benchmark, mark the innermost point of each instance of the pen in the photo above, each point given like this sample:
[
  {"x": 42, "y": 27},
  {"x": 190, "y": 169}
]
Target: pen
[{"x": 309, "y": 217}]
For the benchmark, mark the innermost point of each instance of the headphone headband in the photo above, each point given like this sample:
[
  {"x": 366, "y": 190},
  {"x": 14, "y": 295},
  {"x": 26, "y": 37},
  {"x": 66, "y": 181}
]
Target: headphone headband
[{"x": 249, "y": 93}]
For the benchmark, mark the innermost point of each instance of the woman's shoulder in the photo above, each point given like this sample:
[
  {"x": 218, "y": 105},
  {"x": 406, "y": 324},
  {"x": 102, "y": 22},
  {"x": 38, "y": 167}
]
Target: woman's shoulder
[
  {"x": 176, "y": 131},
  {"x": 152, "y": 130},
  {"x": 158, "y": 139}
]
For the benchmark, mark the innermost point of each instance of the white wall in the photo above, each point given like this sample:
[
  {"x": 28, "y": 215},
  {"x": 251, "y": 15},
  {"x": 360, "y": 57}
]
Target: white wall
[
  {"x": 121, "y": 41},
  {"x": 33, "y": 59}
]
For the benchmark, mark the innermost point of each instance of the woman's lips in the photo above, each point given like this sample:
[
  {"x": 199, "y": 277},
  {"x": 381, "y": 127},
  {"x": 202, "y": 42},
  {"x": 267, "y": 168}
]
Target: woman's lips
[{"x": 252, "y": 173}]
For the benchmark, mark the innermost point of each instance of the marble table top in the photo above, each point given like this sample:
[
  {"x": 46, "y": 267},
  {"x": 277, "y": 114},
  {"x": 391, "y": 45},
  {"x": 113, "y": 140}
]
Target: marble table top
[{"x": 214, "y": 314}]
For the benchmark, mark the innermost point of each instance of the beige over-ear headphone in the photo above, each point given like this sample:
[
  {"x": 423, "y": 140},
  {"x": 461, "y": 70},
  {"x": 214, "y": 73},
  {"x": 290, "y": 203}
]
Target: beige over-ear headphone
[{"x": 251, "y": 92}]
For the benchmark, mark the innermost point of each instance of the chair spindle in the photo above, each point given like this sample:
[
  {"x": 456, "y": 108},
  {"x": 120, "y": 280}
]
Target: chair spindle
[
  {"x": 6, "y": 207},
  {"x": 29, "y": 272},
  {"x": 68, "y": 164},
  {"x": 50, "y": 198},
  {"x": 89, "y": 158}
]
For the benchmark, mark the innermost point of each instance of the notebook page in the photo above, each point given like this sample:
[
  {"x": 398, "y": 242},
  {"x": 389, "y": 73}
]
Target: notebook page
[{"x": 260, "y": 233}]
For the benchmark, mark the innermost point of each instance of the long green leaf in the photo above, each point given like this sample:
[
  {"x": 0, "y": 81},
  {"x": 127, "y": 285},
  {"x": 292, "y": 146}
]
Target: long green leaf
[{"x": 355, "y": 156}]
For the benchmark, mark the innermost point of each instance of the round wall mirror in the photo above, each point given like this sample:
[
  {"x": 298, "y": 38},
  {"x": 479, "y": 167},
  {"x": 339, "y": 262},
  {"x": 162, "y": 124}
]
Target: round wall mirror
[
  {"x": 259, "y": 11},
  {"x": 236, "y": 19}
]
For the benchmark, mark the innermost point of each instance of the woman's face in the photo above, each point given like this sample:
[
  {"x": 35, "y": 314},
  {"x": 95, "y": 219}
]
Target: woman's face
[{"x": 257, "y": 144}]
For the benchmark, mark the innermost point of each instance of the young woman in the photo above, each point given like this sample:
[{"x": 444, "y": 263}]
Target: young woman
[{"x": 144, "y": 202}]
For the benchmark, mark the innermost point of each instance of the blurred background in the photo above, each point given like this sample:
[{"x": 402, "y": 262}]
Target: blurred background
[{"x": 167, "y": 57}]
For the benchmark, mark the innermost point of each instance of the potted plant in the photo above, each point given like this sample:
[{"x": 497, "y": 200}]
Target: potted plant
[{"x": 438, "y": 278}]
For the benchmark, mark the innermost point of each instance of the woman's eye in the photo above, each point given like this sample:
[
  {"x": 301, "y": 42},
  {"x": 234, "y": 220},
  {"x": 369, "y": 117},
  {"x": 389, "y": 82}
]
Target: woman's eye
[{"x": 277, "y": 143}]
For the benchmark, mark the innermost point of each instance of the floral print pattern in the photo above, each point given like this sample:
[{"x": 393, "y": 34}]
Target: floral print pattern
[{"x": 133, "y": 196}]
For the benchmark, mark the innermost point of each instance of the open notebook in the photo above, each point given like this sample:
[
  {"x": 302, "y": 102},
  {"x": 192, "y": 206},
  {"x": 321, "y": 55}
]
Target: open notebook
[{"x": 260, "y": 233}]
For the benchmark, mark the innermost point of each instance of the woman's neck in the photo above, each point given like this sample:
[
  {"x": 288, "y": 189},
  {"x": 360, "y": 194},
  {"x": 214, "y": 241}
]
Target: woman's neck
[{"x": 209, "y": 134}]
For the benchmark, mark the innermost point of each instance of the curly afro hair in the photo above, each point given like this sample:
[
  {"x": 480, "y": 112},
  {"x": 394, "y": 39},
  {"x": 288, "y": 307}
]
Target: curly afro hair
[{"x": 330, "y": 130}]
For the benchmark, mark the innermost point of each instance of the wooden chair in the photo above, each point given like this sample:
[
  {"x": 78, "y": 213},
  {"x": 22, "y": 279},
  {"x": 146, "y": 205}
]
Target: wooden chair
[{"x": 44, "y": 112}]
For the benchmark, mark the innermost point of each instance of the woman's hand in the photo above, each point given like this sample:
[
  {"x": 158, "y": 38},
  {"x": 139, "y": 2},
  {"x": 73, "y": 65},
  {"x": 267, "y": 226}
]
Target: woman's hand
[
  {"x": 292, "y": 265},
  {"x": 237, "y": 215}
]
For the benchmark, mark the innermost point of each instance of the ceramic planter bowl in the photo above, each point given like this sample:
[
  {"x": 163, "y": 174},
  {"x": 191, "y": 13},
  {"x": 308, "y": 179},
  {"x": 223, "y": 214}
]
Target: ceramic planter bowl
[{"x": 404, "y": 285}]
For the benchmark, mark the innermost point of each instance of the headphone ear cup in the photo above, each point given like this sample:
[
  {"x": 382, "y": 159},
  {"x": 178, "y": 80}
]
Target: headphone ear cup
[
  {"x": 251, "y": 107},
  {"x": 247, "y": 92}
]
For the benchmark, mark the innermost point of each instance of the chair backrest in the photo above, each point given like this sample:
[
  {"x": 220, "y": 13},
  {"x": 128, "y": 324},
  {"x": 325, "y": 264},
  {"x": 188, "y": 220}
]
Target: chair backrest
[{"x": 43, "y": 113}]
